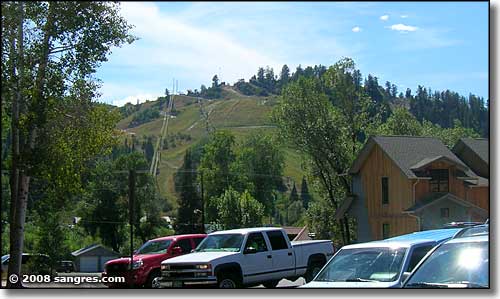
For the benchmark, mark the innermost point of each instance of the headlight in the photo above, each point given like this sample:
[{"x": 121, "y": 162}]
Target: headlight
[
  {"x": 203, "y": 267},
  {"x": 165, "y": 267},
  {"x": 137, "y": 264}
]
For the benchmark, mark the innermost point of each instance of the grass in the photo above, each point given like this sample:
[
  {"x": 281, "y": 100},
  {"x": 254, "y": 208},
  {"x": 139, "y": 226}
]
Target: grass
[{"x": 239, "y": 114}]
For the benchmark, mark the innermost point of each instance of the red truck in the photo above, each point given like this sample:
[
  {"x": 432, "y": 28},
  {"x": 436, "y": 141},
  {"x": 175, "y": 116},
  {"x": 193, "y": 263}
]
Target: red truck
[{"x": 147, "y": 260}]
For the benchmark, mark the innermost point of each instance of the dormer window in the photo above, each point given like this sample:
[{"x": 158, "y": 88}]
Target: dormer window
[{"x": 439, "y": 180}]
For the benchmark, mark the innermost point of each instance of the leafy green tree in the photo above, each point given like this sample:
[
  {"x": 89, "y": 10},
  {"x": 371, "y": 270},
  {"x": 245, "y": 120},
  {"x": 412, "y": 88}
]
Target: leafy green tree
[
  {"x": 308, "y": 121},
  {"x": 449, "y": 136},
  {"x": 252, "y": 210},
  {"x": 401, "y": 123},
  {"x": 103, "y": 210},
  {"x": 51, "y": 50},
  {"x": 262, "y": 162},
  {"x": 215, "y": 164},
  {"x": 320, "y": 220},
  {"x": 236, "y": 210}
]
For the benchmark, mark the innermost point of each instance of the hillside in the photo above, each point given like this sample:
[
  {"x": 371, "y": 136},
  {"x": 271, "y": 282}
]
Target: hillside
[{"x": 237, "y": 113}]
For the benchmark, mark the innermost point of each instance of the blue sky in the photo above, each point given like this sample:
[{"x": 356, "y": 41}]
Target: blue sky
[{"x": 441, "y": 45}]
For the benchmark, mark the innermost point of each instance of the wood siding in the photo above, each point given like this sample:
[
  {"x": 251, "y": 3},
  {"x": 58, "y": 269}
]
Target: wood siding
[
  {"x": 376, "y": 166},
  {"x": 477, "y": 195}
]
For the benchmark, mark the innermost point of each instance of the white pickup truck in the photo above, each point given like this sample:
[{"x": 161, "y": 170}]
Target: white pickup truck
[{"x": 246, "y": 257}]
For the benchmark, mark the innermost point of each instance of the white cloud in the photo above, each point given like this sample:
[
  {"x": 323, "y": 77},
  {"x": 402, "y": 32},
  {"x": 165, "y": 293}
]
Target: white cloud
[
  {"x": 403, "y": 28},
  {"x": 384, "y": 17},
  {"x": 404, "y": 16},
  {"x": 134, "y": 98},
  {"x": 356, "y": 29}
]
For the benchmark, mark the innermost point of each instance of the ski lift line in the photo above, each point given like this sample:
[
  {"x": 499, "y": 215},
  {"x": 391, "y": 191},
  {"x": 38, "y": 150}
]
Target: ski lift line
[{"x": 164, "y": 129}]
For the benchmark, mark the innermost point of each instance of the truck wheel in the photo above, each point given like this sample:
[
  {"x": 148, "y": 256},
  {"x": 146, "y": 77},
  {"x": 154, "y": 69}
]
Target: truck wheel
[
  {"x": 312, "y": 271},
  {"x": 271, "y": 284},
  {"x": 227, "y": 281},
  {"x": 153, "y": 281}
]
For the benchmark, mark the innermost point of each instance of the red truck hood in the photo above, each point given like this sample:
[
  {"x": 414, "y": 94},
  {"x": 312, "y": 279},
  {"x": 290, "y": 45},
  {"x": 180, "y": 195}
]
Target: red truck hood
[{"x": 144, "y": 257}]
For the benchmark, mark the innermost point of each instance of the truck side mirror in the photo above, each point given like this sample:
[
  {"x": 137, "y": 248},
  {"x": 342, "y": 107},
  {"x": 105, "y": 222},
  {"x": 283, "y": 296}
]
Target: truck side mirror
[
  {"x": 250, "y": 250},
  {"x": 176, "y": 250}
]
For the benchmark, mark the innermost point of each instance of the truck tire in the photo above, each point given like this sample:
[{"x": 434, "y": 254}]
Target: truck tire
[
  {"x": 228, "y": 281},
  {"x": 271, "y": 284},
  {"x": 312, "y": 270},
  {"x": 153, "y": 281}
]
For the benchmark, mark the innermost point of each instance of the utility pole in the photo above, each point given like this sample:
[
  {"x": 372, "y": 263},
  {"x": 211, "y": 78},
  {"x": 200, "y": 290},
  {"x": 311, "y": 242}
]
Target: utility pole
[
  {"x": 131, "y": 199},
  {"x": 202, "y": 204}
]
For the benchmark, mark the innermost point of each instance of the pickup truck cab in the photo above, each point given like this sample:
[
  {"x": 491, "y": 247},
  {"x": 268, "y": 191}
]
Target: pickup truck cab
[
  {"x": 147, "y": 260},
  {"x": 379, "y": 264},
  {"x": 246, "y": 257}
]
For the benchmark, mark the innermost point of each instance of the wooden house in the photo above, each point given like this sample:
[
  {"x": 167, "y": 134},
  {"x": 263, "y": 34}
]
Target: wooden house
[{"x": 403, "y": 184}]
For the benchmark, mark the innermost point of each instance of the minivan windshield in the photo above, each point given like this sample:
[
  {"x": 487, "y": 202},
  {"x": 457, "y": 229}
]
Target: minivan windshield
[
  {"x": 222, "y": 242},
  {"x": 364, "y": 265},
  {"x": 454, "y": 265},
  {"x": 154, "y": 247}
]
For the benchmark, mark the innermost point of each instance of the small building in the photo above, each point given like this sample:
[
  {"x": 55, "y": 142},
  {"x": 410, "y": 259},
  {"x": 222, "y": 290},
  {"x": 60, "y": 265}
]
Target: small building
[{"x": 92, "y": 258}]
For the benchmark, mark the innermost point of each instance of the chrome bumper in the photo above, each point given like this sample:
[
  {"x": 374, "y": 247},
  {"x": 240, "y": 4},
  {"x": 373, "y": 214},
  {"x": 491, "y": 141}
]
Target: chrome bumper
[{"x": 181, "y": 282}]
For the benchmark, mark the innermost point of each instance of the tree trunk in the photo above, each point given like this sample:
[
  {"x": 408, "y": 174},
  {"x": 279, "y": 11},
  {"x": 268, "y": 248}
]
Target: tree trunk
[
  {"x": 19, "y": 216},
  {"x": 16, "y": 242}
]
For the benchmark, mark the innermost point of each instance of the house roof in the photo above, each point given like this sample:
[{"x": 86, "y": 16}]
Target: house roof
[
  {"x": 408, "y": 152},
  {"x": 292, "y": 230},
  {"x": 480, "y": 146},
  {"x": 434, "y": 198},
  {"x": 90, "y": 248}
]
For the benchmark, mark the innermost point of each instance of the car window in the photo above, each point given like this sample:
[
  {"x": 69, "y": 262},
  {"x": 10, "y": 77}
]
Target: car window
[
  {"x": 256, "y": 240},
  {"x": 154, "y": 247},
  {"x": 277, "y": 240},
  {"x": 221, "y": 242},
  {"x": 185, "y": 245},
  {"x": 452, "y": 264},
  {"x": 364, "y": 265},
  {"x": 197, "y": 241},
  {"x": 417, "y": 254}
]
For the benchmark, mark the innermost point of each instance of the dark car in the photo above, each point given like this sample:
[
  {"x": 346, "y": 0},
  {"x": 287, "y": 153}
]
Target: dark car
[
  {"x": 65, "y": 266},
  {"x": 477, "y": 230},
  {"x": 30, "y": 264},
  {"x": 461, "y": 224},
  {"x": 458, "y": 263}
]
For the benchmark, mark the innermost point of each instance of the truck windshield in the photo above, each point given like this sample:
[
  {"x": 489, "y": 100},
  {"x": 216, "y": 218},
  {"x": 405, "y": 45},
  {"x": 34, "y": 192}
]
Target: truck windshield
[
  {"x": 154, "y": 247},
  {"x": 364, "y": 265},
  {"x": 454, "y": 265},
  {"x": 226, "y": 242}
]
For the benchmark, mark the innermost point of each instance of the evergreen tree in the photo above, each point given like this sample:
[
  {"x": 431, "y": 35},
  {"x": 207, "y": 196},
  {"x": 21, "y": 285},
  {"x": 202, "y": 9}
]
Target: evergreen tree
[
  {"x": 294, "y": 195},
  {"x": 284, "y": 75},
  {"x": 304, "y": 193},
  {"x": 188, "y": 214}
]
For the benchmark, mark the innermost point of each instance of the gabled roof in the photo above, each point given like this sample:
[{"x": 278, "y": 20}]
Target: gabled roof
[
  {"x": 407, "y": 152},
  {"x": 480, "y": 146},
  {"x": 92, "y": 248},
  {"x": 434, "y": 198}
]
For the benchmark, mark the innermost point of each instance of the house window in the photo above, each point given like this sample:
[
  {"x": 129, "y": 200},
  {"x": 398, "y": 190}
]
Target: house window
[
  {"x": 439, "y": 180},
  {"x": 445, "y": 213},
  {"x": 385, "y": 230},
  {"x": 385, "y": 190}
]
